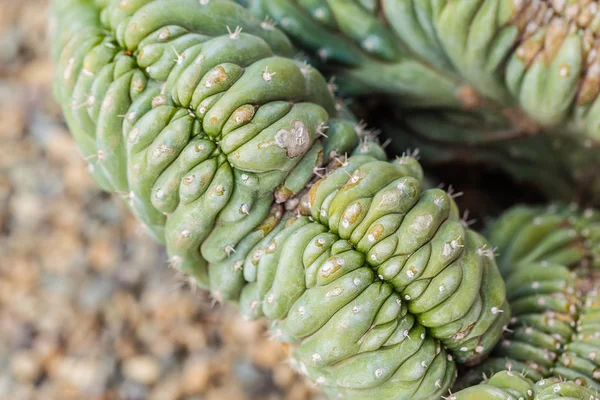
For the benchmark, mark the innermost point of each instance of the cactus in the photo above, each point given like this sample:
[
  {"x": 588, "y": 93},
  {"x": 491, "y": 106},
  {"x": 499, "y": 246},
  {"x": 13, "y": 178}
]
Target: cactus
[
  {"x": 546, "y": 258},
  {"x": 376, "y": 231},
  {"x": 579, "y": 361},
  {"x": 509, "y": 82},
  {"x": 234, "y": 156},
  {"x": 506, "y": 385}
]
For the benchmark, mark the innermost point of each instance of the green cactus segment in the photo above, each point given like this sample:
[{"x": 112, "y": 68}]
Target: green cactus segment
[
  {"x": 217, "y": 143},
  {"x": 537, "y": 247},
  {"x": 381, "y": 289},
  {"x": 579, "y": 361},
  {"x": 350, "y": 34},
  {"x": 563, "y": 167},
  {"x": 509, "y": 385},
  {"x": 194, "y": 122},
  {"x": 133, "y": 21},
  {"x": 545, "y": 307},
  {"x": 557, "y": 388},
  {"x": 501, "y": 386},
  {"x": 513, "y": 76},
  {"x": 535, "y": 55},
  {"x": 417, "y": 243},
  {"x": 562, "y": 235}
]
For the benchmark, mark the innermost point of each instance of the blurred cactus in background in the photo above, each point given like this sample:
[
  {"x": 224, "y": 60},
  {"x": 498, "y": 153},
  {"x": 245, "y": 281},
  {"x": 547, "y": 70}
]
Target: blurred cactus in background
[
  {"x": 548, "y": 258},
  {"x": 504, "y": 82},
  {"x": 512, "y": 385}
]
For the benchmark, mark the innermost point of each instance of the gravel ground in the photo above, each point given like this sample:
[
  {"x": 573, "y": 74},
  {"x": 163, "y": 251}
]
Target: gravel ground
[{"x": 88, "y": 307}]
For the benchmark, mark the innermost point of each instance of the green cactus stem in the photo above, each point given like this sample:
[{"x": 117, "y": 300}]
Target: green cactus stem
[
  {"x": 507, "y": 385},
  {"x": 547, "y": 258},
  {"x": 242, "y": 162}
]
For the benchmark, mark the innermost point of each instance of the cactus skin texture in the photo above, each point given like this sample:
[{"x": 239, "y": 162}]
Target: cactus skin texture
[
  {"x": 514, "y": 83},
  {"x": 546, "y": 258},
  {"x": 216, "y": 141},
  {"x": 381, "y": 262},
  {"x": 170, "y": 111},
  {"x": 507, "y": 385}
]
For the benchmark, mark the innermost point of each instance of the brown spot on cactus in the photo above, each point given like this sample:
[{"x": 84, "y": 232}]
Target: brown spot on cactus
[
  {"x": 188, "y": 180},
  {"x": 330, "y": 267},
  {"x": 564, "y": 71},
  {"x": 469, "y": 98},
  {"x": 164, "y": 34},
  {"x": 159, "y": 101},
  {"x": 312, "y": 193},
  {"x": 138, "y": 83},
  {"x": 271, "y": 248},
  {"x": 243, "y": 114},
  {"x": 555, "y": 35},
  {"x": 529, "y": 49},
  {"x": 375, "y": 233},
  {"x": 590, "y": 87},
  {"x": 351, "y": 214},
  {"x": 290, "y": 221},
  {"x": 219, "y": 190},
  {"x": 215, "y": 76},
  {"x": 270, "y": 222},
  {"x": 282, "y": 193},
  {"x": 354, "y": 180}
]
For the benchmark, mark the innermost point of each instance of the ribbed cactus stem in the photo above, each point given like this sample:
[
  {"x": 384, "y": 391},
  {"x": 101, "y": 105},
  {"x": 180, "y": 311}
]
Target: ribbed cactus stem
[
  {"x": 548, "y": 259},
  {"x": 354, "y": 285},
  {"x": 512, "y": 385},
  {"x": 265, "y": 192}
]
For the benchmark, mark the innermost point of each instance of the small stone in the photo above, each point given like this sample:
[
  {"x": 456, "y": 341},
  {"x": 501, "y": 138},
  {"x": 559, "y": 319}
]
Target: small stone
[
  {"x": 299, "y": 391},
  {"x": 167, "y": 388},
  {"x": 267, "y": 353},
  {"x": 25, "y": 367},
  {"x": 283, "y": 376},
  {"x": 142, "y": 369},
  {"x": 230, "y": 391},
  {"x": 196, "y": 375}
]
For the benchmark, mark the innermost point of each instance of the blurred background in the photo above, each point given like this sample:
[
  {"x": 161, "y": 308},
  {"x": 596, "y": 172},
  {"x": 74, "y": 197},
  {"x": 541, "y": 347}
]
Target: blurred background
[{"x": 88, "y": 307}]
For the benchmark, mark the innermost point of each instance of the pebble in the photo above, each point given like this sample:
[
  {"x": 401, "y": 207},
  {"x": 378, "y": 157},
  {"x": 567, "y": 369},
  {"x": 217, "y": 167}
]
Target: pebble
[
  {"x": 196, "y": 375},
  {"x": 167, "y": 388},
  {"x": 229, "y": 392},
  {"x": 142, "y": 369},
  {"x": 283, "y": 376},
  {"x": 25, "y": 367}
]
